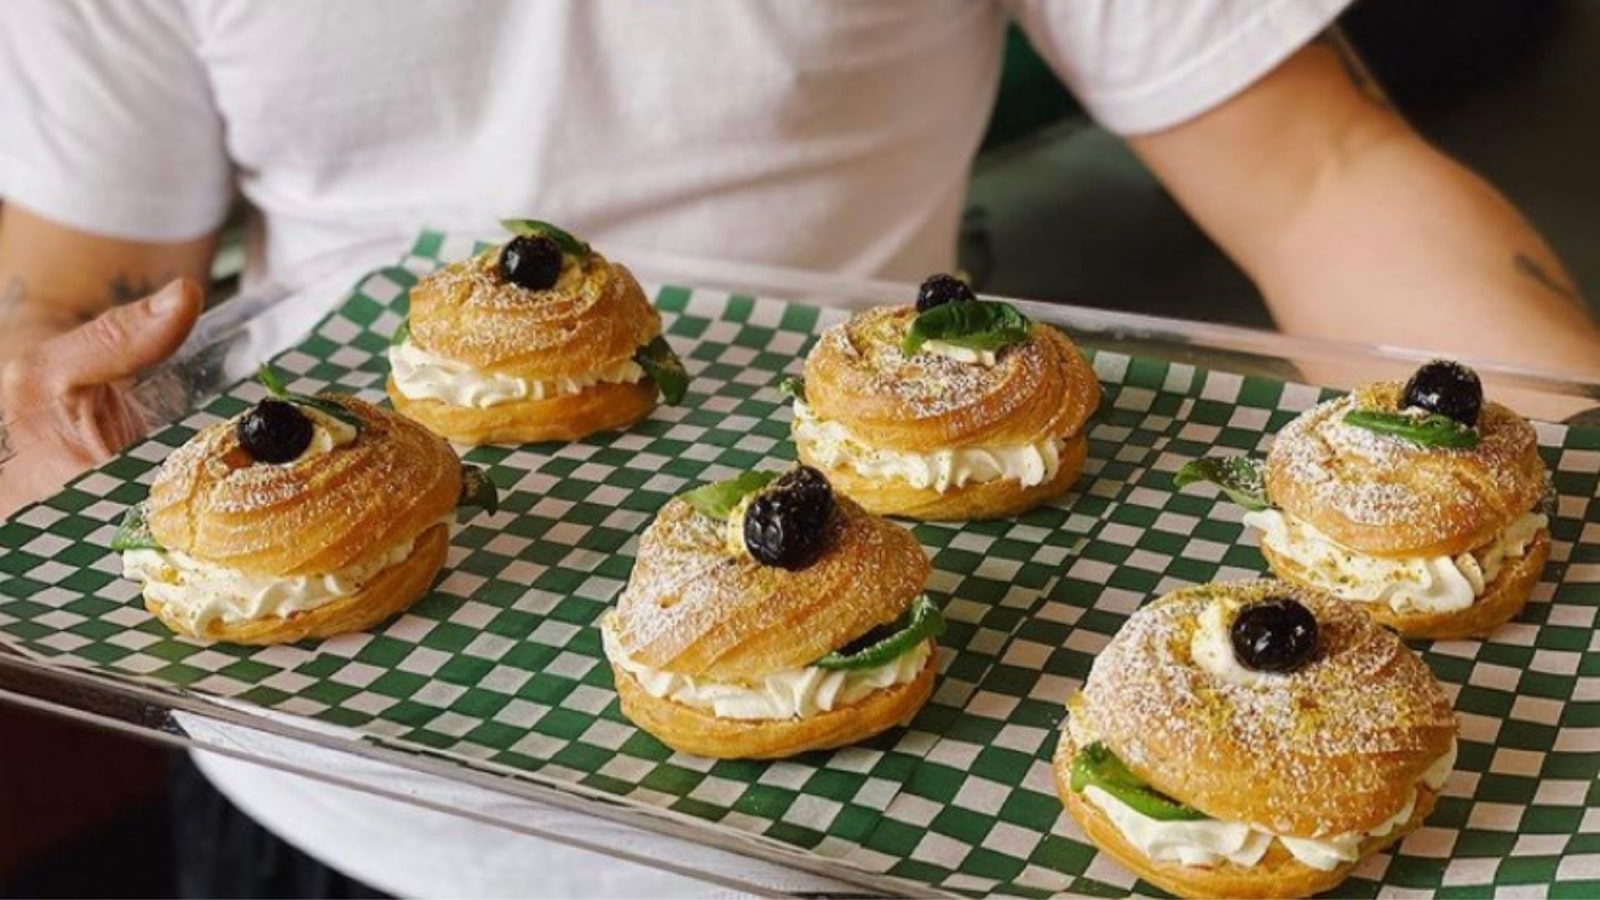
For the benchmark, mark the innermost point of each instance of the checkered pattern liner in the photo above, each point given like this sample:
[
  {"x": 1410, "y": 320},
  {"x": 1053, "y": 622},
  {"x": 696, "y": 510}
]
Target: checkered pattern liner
[{"x": 500, "y": 666}]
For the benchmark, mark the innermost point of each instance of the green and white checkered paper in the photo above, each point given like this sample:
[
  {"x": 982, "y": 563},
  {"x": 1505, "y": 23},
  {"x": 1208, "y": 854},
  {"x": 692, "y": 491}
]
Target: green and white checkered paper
[{"x": 500, "y": 667}]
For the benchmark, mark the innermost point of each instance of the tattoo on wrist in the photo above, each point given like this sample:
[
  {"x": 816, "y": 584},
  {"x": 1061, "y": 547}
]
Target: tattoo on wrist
[
  {"x": 124, "y": 290},
  {"x": 1529, "y": 267},
  {"x": 1333, "y": 38},
  {"x": 11, "y": 298}
]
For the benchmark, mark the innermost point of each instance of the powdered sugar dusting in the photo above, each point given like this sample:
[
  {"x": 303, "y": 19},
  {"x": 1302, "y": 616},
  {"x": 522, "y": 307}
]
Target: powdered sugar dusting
[
  {"x": 1320, "y": 465},
  {"x": 1365, "y": 718}
]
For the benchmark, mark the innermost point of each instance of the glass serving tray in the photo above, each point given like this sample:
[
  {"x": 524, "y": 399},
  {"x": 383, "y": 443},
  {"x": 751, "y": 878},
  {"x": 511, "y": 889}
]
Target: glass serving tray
[{"x": 495, "y": 682}]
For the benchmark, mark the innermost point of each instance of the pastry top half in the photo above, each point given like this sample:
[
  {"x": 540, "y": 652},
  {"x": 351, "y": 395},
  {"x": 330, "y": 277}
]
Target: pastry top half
[
  {"x": 1389, "y": 496},
  {"x": 1334, "y": 747},
  {"x": 594, "y": 316},
  {"x": 333, "y": 507},
  {"x": 696, "y": 606},
  {"x": 1039, "y": 389}
]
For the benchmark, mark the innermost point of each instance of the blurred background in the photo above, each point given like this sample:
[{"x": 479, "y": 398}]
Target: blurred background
[{"x": 1058, "y": 209}]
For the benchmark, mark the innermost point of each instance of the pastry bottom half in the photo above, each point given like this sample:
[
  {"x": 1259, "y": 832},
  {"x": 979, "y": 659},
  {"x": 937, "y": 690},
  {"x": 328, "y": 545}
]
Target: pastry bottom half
[
  {"x": 390, "y": 592},
  {"x": 1503, "y": 598},
  {"x": 698, "y": 732},
  {"x": 565, "y": 417},
  {"x": 985, "y": 500},
  {"x": 1278, "y": 874}
]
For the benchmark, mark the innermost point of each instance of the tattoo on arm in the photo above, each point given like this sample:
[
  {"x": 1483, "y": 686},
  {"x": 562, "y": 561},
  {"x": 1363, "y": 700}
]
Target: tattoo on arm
[
  {"x": 11, "y": 298},
  {"x": 124, "y": 290},
  {"x": 1529, "y": 267},
  {"x": 1356, "y": 70}
]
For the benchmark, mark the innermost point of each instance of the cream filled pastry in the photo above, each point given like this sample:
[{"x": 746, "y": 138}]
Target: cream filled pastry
[
  {"x": 766, "y": 617},
  {"x": 1255, "y": 739},
  {"x": 539, "y": 339},
  {"x": 1418, "y": 501},
  {"x": 303, "y": 517},
  {"x": 957, "y": 408}
]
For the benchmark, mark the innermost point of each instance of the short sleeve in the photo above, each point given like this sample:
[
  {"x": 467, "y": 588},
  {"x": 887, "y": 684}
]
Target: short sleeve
[
  {"x": 107, "y": 122},
  {"x": 1140, "y": 66}
]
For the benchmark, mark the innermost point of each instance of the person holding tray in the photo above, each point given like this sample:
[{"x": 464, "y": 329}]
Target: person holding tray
[{"x": 833, "y": 137}]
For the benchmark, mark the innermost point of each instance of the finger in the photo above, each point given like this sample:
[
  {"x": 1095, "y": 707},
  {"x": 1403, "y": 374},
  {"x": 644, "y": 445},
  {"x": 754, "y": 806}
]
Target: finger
[{"x": 121, "y": 341}]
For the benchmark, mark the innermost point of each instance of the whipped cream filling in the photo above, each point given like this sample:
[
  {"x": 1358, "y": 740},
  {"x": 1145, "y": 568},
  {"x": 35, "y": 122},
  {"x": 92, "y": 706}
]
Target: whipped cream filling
[
  {"x": 1405, "y": 584},
  {"x": 834, "y": 445},
  {"x": 786, "y": 694},
  {"x": 198, "y": 592},
  {"x": 327, "y": 434},
  {"x": 423, "y": 375},
  {"x": 1211, "y": 648},
  {"x": 985, "y": 358},
  {"x": 1208, "y": 842}
]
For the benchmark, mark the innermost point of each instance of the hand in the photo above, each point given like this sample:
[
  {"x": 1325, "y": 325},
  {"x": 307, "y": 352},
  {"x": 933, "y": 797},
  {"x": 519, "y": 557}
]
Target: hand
[{"x": 63, "y": 405}]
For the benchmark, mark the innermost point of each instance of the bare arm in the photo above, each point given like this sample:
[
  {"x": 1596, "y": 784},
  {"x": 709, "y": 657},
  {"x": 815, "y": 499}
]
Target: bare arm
[
  {"x": 75, "y": 323},
  {"x": 54, "y": 278},
  {"x": 1354, "y": 228}
]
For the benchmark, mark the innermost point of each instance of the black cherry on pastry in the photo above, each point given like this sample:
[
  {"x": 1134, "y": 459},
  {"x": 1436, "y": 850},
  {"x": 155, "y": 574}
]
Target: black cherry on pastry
[
  {"x": 531, "y": 262},
  {"x": 783, "y": 525},
  {"x": 1447, "y": 388},
  {"x": 1276, "y": 634},
  {"x": 937, "y": 290},
  {"x": 274, "y": 432}
]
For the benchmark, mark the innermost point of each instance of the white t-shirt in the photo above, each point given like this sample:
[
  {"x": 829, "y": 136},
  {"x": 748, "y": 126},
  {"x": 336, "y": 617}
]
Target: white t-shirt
[{"x": 829, "y": 134}]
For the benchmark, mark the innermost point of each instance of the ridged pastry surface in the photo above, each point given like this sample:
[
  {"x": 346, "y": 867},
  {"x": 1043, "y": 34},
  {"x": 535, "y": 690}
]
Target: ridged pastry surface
[
  {"x": 594, "y": 316},
  {"x": 319, "y": 514},
  {"x": 695, "y": 608},
  {"x": 1388, "y": 496},
  {"x": 1333, "y": 748},
  {"x": 856, "y": 375}
]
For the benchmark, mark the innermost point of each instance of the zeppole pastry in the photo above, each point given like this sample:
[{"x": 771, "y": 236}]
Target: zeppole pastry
[
  {"x": 540, "y": 339},
  {"x": 1419, "y": 501},
  {"x": 765, "y": 617},
  {"x": 956, "y": 409},
  {"x": 304, "y": 517},
  {"x": 1255, "y": 739}
]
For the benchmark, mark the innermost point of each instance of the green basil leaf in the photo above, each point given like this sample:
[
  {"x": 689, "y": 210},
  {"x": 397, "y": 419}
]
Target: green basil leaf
[
  {"x": 1432, "y": 430},
  {"x": 793, "y": 386},
  {"x": 975, "y": 324},
  {"x": 270, "y": 380},
  {"x": 477, "y": 490},
  {"x": 402, "y": 333},
  {"x": 664, "y": 368},
  {"x": 1097, "y": 765},
  {"x": 718, "y": 500},
  {"x": 134, "y": 532},
  {"x": 268, "y": 376},
  {"x": 880, "y": 645},
  {"x": 1240, "y": 477},
  {"x": 534, "y": 228}
]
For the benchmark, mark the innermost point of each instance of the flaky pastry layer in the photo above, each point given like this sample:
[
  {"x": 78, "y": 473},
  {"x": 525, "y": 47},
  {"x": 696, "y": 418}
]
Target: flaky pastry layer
[
  {"x": 695, "y": 608},
  {"x": 320, "y": 514},
  {"x": 856, "y": 375},
  {"x": 1390, "y": 497},
  {"x": 1333, "y": 748}
]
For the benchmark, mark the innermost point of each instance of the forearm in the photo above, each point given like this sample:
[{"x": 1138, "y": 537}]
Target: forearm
[
  {"x": 54, "y": 278},
  {"x": 1400, "y": 245}
]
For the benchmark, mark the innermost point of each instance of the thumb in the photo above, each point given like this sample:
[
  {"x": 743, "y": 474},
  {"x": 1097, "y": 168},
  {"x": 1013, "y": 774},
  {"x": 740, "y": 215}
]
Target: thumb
[{"x": 125, "y": 339}]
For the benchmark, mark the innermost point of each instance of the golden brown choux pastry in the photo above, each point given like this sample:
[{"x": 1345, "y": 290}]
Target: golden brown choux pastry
[
  {"x": 1433, "y": 524},
  {"x": 303, "y": 517},
  {"x": 765, "y": 618},
  {"x": 540, "y": 339},
  {"x": 948, "y": 431},
  {"x": 1253, "y": 739}
]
